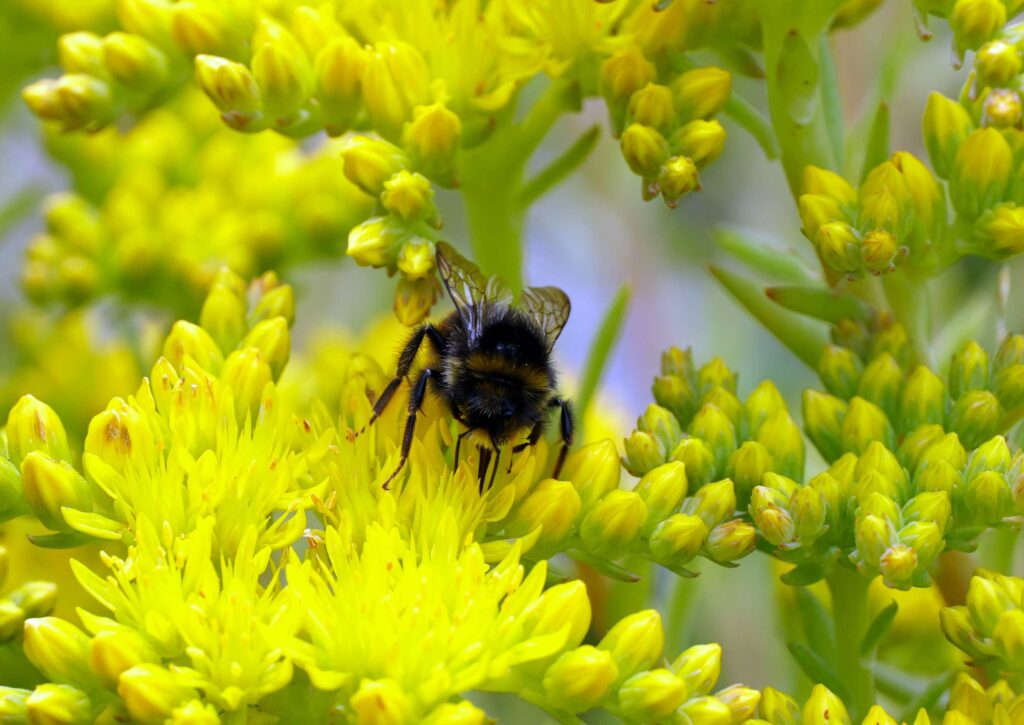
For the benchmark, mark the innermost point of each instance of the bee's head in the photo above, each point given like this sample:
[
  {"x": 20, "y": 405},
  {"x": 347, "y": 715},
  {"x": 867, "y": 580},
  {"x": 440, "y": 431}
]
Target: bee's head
[{"x": 501, "y": 399}]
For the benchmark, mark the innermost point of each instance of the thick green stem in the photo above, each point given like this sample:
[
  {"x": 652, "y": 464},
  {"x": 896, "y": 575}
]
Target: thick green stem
[
  {"x": 999, "y": 549},
  {"x": 908, "y": 297},
  {"x": 851, "y": 621}
]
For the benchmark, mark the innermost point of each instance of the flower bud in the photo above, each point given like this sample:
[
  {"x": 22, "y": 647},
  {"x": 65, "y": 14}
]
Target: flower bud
[
  {"x": 614, "y": 523},
  {"x": 1002, "y": 230},
  {"x": 229, "y": 85},
  {"x": 706, "y": 710},
  {"x": 839, "y": 246},
  {"x": 624, "y": 73},
  {"x": 663, "y": 425},
  {"x": 553, "y": 505},
  {"x": 782, "y": 439},
  {"x": 642, "y": 454},
  {"x": 223, "y": 316},
  {"x": 715, "y": 374},
  {"x": 151, "y": 692},
  {"x": 634, "y": 642},
  {"x": 594, "y": 471},
  {"x": 678, "y": 539},
  {"x": 957, "y": 626},
  {"x": 823, "y": 420},
  {"x": 677, "y": 177},
  {"x": 923, "y": 399},
  {"x": 413, "y": 300},
  {"x": 559, "y": 606},
  {"x": 1008, "y": 385},
  {"x": 579, "y": 679},
  {"x": 873, "y": 536},
  {"x": 644, "y": 149},
  {"x": 946, "y": 125},
  {"x": 370, "y": 162},
  {"x": 774, "y": 523},
  {"x": 463, "y": 713},
  {"x": 824, "y": 708},
  {"x": 416, "y": 259},
  {"x": 272, "y": 339},
  {"x": 34, "y": 426},
  {"x": 35, "y": 599},
  {"x": 395, "y": 80},
  {"x": 59, "y": 649},
  {"x": 411, "y": 197},
  {"x": 699, "y": 140},
  {"x": 81, "y": 52},
  {"x": 1002, "y": 109},
  {"x": 817, "y": 210},
  {"x": 827, "y": 183},
  {"x": 247, "y": 374},
  {"x": 864, "y": 424},
  {"x": 807, "y": 508},
  {"x": 997, "y": 63},
  {"x": 879, "y": 249},
  {"x": 731, "y": 541},
  {"x": 1008, "y": 638},
  {"x": 925, "y": 538},
  {"x": 338, "y": 70},
  {"x": 992, "y": 455},
  {"x": 933, "y": 506},
  {"x": 281, "y": 69},
  {"x": 713, "y": 502},
  {"x": 381, "y": 702},
  {"x": 747, "y": 465},
  {"x": 674, "y": 393},
  {"x": 711, "y": 425},
  {"x": 975, "y": 417},
  {"x": 779, "y": 708},
  {"x": 662, "y": 489},
  {"x": 652, "y": 106},
  {"x": 701, "y": 92},
  {"x": 975, "y": 22},
  {"x": 699, "y": 666},
  {"x": 75, "y": 100},
  {"x": 988, "y": 497},
  {"x": 985, "y": 602},
  {"x": 134, "y": 62},
  {"x": 376, "y": 242},
  {"x": 981, "y": 172},
  {"x": 764, "y": 403},
  {"x": 969, "y": 369},
  {"x": 882, "y": 383},
  {"x": 741, "y": 701},
  {"x": 1010, "y": 352},
  {"x": 897, "y": 566},
  {"x": 113, "y": 651},
  {"x": 698, "y": 458},
  {"x": 432, "y": 139},
  {"x": 51, "y": 704},
  {"x": 192, "y": 341},
  {"x": 651, "y": 696},
  {"x": 840, "y": 369},
  {"x": 49, "y": 485},
  {"x": 14, "y": 704}
]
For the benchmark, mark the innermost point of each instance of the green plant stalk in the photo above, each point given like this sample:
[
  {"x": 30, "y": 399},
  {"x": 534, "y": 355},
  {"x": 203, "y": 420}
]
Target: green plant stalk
[
  {"x": 999, "y": 550},
  {"x": 851, "y": 621},
  {"x": 600, "y": 352},
  {"x": 492, "y": 181},
  {"x": 908, "y": 296}
]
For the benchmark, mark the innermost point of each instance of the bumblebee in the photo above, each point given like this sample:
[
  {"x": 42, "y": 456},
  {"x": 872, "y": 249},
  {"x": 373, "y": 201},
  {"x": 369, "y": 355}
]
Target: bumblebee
[{"x": 492, "y": 364}]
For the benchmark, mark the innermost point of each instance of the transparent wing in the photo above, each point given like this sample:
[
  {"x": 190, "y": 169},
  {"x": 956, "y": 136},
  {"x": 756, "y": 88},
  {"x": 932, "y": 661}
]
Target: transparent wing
[
  {"x": 547, "y": 306},
  {"x": 470, "y": 290}
]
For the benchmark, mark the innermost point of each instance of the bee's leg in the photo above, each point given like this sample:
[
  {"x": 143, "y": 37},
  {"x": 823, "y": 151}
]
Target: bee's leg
[
  {"x": 535, "y": 434},
  {"x": 419, "y": 392},
  {"x": 485, "y": 463},
  {"x": 405, "y": 361},
  {"x": 566, "y": 430},
  {"x": 458, "y": 446},
  {"x": 494, "y": 471}
]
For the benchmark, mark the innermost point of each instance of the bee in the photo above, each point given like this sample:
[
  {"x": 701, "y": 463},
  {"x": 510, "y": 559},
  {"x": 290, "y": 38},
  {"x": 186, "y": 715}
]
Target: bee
[{"x": 492, "y": 364}]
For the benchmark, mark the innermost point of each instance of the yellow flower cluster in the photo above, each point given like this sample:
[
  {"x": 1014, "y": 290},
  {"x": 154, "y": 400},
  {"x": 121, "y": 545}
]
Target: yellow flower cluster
[
  {"x": 990, "y": 626},
  {"x": 177, "y": 197},
  {"x": 204, "y": 487}
]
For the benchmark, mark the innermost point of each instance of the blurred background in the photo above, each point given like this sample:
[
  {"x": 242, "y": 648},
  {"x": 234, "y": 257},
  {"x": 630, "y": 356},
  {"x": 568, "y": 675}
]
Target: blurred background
[{"x": 591, "y": 235}]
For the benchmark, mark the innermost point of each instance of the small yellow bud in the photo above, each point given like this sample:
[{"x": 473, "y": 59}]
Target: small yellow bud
[
  {"x": 662, "y": 489},
  {"x": 699, "y": 140},
  {"x": 376, "y": 242},
  {"x": 642, "y": 453},
  {"x": 50, "y": 484},
  {"x": 1002, "y": 108},
  {"x": 706, "y": 709},
  {"x": 579, "y": 679},
  {"x": 652, "y": 106},
  {"x": 410, "y": 196},
  {"x": 741, "y": 701},
  {"x": 699, "y": 666},
  {"x": 560, "y": 605},
  {"x": 281, "y": 69},
  {"x": 614, "y": 523},
  {"x": 1003, "y": 230},
  {"x": 839, "y": 246},
  {"x": 731, "y": 541},
  {"x": 59, "y": 649},
  {"x": 247, "y": 374},
  {"x": 151, "y": 692},
  {"x": 701, "y": 92},
  {"x": 981, "y": 172},
  {"x": 779, "y": 708},
  {"x": 338, "y": 71},
  {"x": 194, "y": 712},
  {"x": 431, "y": 139},
  {"x": 925, "y": 194},
  {"x": 229, "y": 85},
  {"x": 997, "y": 63},
  {"x": 1008, "y": 637},
  {"x": 394, "y": 81},
  {"x": 14, "y": 704},
  {"x": 381, "y": 702},
  {"x": 370, "y": 162},
  {"x": 35, "y": 599},
  {"x": 898, "y": 565},
  {"x": 698, "y": 458},
  {"x": 272, "y": 339},
  {"x": 677, "y": 539},
  {"x": 624, "y": 73},
  {"x": 113, "y": 651},
  {"x": 463, "y": 713},
  {"x": 413, "y": 299},
  {"x": 651, "y": 696},
  {"x": 223, "y": 316},
  {"x": 817, "y": 210},
  {"x": 81, "y": 52},
  {"x": 34, "y": 426},
  {"x": 827, "y": 183},
  {"x": 644, "y": 149},
  {"x": 553, "y": 505},
  {"x": 824, "y": 708},
  {"x": 975, "y": 21},
  {"x": 76, "y": 101},
  {"x": 199, "y": 28},
  {"x": 975, "y": 417},
  {"x": 188, "y": 340},
  {"x": 879, "y": 250},
  {"x": 134, "y": 61},
  {"x": 873, "y": 536},
  {"x": 946, "y": 124},
  {"x": 677, "y": 177},
  {"x": 594, "y": 471},
  {"x": 634, "y": 642},
  {"x": 51, "y": 704},
  {"x": 416, "y": 258}
]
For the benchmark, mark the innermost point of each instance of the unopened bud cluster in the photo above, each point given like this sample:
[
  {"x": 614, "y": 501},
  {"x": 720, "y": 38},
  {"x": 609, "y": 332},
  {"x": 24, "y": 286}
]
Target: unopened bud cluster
[
  {"x": 665, "y": 124},
  {"x": 990, "y": 626}
]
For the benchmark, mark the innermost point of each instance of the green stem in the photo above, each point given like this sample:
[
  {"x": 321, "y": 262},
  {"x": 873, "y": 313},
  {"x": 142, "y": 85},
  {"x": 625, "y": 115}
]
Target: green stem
[
  {"x": 851, "y": 621},
  {"x": 680, "y": 613},
  {"x": 600, "y": 352},
  {"x": 908, "y": 296},
  {"x": 999, "y": 550}
]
